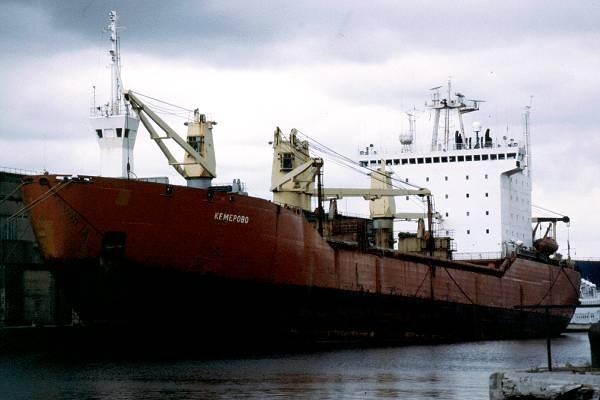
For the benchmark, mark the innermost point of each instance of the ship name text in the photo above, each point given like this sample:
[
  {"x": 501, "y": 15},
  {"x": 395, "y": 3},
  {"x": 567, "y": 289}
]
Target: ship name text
[{"x": 240, "y": 219}]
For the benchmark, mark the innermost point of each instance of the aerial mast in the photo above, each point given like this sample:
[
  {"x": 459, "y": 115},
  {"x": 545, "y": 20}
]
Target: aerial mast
[
  {"x": 115, "y": 65},
  {"x": 113, "y": 123}
]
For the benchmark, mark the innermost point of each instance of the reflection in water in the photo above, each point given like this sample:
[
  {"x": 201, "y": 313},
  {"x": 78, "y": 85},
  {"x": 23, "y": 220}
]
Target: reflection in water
[{"x": 458, "y": 371}]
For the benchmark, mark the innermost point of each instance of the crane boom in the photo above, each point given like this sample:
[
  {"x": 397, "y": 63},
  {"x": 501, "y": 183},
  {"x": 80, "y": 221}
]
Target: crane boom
[{"x": 199, "y": 164}]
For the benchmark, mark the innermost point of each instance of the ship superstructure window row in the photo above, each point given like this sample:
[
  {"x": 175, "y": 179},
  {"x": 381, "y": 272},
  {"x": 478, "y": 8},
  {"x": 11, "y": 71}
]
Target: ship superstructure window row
[{"x": 444, "y": 159}]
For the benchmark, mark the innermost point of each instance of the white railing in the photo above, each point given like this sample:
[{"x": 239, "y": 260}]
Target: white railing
[
  {"x": 489, "y": 255},
  {"x": 379, "y": 151},
  {"x": 20, "y": 171}
]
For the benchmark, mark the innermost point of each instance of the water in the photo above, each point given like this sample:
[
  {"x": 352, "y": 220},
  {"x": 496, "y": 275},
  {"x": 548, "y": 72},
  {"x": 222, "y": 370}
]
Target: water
[{"x": 456, "y": 371}]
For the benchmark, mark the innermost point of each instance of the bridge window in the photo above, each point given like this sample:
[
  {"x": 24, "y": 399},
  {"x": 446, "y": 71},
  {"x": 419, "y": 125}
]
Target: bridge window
[
  {"x": 484, "y": 157},
  {"x": 99, "y": 133},
  {"x": 287, "y": 161},
  {"x": 477, "y": 157},
  {"x": 119, "y": 132},
  {"x": 468, "y": 158}
]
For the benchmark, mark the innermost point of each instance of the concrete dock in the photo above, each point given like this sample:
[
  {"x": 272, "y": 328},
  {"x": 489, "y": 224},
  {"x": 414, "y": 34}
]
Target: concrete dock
[{"x": 560, "y": 383}]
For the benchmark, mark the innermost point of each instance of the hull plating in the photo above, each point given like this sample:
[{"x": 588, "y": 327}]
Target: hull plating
[{"x": 136, "y": 251}]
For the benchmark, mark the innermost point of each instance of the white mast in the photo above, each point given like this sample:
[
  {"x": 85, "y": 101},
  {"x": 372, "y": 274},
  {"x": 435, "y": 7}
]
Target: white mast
[
  {"x": 114, "y": 125},
  {"x": 115, "y": 65},
  {"x": 527, "y": 138}
]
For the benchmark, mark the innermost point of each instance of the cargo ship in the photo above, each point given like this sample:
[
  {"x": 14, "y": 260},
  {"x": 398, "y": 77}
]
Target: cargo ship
[{"x": 213, "y": 260}]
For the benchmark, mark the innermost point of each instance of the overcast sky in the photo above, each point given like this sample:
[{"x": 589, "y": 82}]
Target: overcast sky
[{"x": 343, "y": 72}]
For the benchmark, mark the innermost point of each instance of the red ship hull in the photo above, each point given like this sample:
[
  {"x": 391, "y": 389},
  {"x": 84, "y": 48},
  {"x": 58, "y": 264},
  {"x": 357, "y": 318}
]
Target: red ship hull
[{"x": 137, "y": 252}]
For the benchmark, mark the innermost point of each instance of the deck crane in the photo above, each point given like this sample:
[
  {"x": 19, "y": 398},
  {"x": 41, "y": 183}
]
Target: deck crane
[
  {"x": 293, "y": 184},
  {"x": 199, "y": 165}
]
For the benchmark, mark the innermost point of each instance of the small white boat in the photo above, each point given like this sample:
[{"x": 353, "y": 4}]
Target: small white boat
[{"x": 584, "y": 317}]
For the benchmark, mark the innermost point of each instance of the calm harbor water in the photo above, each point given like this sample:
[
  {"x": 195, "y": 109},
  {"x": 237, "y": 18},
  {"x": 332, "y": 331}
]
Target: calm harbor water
[{"x": 454, "y": 371}]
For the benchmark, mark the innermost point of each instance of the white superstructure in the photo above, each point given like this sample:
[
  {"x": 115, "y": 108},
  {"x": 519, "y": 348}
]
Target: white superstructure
[
  {"x": 481, "y": 185},
  {"x": 114, "y": 124}
]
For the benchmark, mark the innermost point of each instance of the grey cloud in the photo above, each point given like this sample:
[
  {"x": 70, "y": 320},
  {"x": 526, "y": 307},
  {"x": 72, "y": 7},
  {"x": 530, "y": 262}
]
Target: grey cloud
[{"x": 242, "y": 33}]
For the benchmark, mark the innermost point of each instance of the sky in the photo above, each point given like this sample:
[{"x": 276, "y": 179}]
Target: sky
[{"x": 342, "y": 72}]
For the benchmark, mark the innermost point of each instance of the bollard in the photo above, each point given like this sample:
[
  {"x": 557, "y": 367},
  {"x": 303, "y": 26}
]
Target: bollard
[{"x": 594, "y": 337}]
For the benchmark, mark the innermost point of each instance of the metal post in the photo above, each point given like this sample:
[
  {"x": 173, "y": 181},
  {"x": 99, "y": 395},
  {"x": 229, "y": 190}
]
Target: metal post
[
  {"x": 548, "y": 340},
  {"x": 320, "y": 204}
]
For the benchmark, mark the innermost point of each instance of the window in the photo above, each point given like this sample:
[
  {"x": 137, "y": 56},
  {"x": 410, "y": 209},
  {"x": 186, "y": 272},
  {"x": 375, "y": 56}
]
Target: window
[
  {"x": 388, "y": 162},
  {"x": 197, "y": 143},
  {"x": 286, "y": 160},
  {"x": 396, "y": 161},
  {"x": 8, "y": 228},
  {"x": 126, "y": 132},
  {"x": 406, "y": 180},
  {"x": 99, "y": 133},
  {"x": 373, "y": 162},
  {"x": 445, "y": 178},
  {"x": 446, "y": 196},
  {"x": 493, "y": 156},
  {"x": 486, "y": 176},
  {"x": 406, "y": 197},
  {"x": 467, "y": 177},
  {"x": 511, "y": 155},
  {"x": 412, "y": 161},
  {"x": 427, "y": 179},
  {"x": 486, "y": 195},
  {"x": 436, "y": 159},
  {"x": 487, "y": 213},
  {"x": 404, "y": 161},
  {"x": 119, "y": 132},
  {"x": 468, "y": 213},
  {"x": 446, "y": 214},
  {"x": 501, "y": 156},
  {"x": 363, "y": 163},
  {"x": 487, "y": 231},
  {"x": 461, "y": 158},
  {"x": 484, "y": 157},
  {"x": 444, "y": 159},
  {"x": 477, "y": 157},
  {"x": 468, "y": 158},
  {"x": 452, "y": 158},
  {"x": 468, "y": 231},
  {"x": 467, "y": 195},
  {"x": 427, "y": 160},
  {"x": 419, "y": 160}
]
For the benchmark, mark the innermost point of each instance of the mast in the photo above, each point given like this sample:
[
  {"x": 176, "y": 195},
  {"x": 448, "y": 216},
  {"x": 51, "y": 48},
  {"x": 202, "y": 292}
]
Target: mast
[
  {"x": 115, "y": 65},
  {"x": 526, "y": 123},
  {"x": 113, "y": 125}
]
